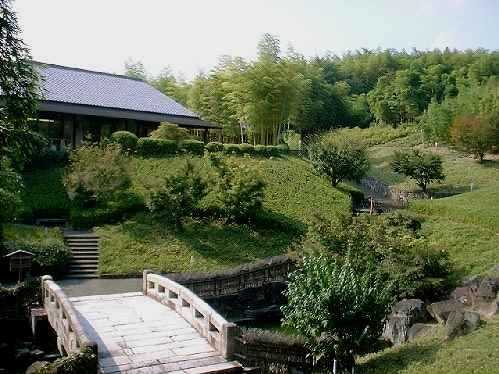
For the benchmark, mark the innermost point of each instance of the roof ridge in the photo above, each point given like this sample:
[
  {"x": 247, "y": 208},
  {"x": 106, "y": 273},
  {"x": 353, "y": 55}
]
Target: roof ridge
[{"x": 87, "y": 70}]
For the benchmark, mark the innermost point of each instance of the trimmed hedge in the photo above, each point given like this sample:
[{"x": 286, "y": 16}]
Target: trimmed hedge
[
  {"x": 48, "y": 158},
  {"x": 127, "y": 140},
  {"x": 214, "y": 147},
  {"x": 193, "y": 146},
  {"x": 246, "y": 149},
  {"x": 149, "y": 147},
  {"x": 231, "y": 148}
]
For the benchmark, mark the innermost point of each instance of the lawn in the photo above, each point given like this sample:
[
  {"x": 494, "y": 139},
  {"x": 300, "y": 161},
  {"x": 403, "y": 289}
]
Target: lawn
[
  {"x": 475, "y": 353},
  {"x": 466, "y": 223},
  {"x": 292, "y": 196}
]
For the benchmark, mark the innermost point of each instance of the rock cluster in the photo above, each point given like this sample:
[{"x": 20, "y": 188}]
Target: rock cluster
[{"x": 476, "y": 299}]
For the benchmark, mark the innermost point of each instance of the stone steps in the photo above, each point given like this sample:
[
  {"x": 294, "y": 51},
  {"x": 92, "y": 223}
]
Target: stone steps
[{"x": 84, "y": 248}]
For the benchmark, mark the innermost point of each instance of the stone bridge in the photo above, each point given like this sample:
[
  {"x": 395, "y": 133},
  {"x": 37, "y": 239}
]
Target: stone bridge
[{"x": 165, "y": 329}]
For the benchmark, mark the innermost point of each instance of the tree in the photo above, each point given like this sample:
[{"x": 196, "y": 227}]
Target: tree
[
  {"x": 10, "y": 194},
  {"x": 338, "y": 158},
  {"x": 18, "y": 88},
  {"x": 474, "y": 134},
  {"x": 135, "y": 69},
  {"x": 424, "y": 168},
  {"x": 339, "y": 309},
  {"x": 171, "y": 86},
  {"x": 179, "y": 195}
]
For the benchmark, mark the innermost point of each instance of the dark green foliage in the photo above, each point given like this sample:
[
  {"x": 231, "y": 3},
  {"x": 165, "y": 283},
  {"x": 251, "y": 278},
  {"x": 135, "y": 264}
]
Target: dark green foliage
[
  {"x": 214, "y": 147},
  {"x": 19, "y": 299},
  {"x": 123, "y": 205},
  {"x": 231, "y": 148},
  {"x": 18, "y": 85},
  {"x": 44, "y": 195},
  {"x": 424, "y": 168},
  {"x": 260, "y": 150},
  {"x": 47, "y": 159},
  {"x": 50, "y": 254},
  {"x": 339, "y": 158},
  {"x": 337, "y": 307},
  {"x": 282, "y": 149},
  {"x": 194, "y": 147},
  {"x": 239, "y": 188},
  {"x": 148, "y": 147},
  {"x": 10, "y": 194},
  {"x": 246, "y": 149},
  {"x": 127, "y": 140},
  {"x": 179, "y": 195},
  {"x": 170, "y": 131},
  {"x": 394, "y": 245}
]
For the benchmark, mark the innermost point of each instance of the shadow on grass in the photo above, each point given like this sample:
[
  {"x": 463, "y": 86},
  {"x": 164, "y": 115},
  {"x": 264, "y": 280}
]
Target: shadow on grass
[
  {"x": 491, "y": 164},
  {"x": 228, "y": 244},
  {"x": 447, "y": 190},
  {"x": 396, "y": 360}
]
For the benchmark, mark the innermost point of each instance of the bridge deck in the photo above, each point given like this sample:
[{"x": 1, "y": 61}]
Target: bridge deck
[{"x": 137, "y": 334}]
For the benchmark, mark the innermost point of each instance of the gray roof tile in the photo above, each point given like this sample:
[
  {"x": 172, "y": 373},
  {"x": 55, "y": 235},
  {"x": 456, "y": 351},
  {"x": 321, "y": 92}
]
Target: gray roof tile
[{"x": 79, "y": 86}]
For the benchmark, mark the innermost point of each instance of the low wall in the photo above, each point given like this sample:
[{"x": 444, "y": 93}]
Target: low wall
[
  {"x": 233, "y": 281},
  {"x": 219, "y": 333},
  {"x": 71, "y": 337}
]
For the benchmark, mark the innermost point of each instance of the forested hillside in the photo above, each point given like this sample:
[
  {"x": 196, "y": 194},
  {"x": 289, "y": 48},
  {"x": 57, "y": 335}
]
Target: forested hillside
[{"x": 283, "y": 90}]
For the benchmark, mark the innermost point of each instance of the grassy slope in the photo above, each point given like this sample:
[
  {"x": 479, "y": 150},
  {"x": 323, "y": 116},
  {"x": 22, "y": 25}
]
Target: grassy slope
[
  {"x": 31, "y": 233},
  {"x": 475, "y": 353},
  {"x": 293, "y": 194},
  {"x": 466, "y": 224}
]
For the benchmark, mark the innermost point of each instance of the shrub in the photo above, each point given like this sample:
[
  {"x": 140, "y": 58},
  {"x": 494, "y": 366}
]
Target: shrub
[
  {"x": 475, "y": 135},
  {"x": 260, "y": 150},
  {"x": 195, "y": 147},
  {"x": 179, "y": 196},
  {"x": 50, "y": 255},
  {"x": 247, "y": 149},
  {"x": 283, "y": 149},
  {"x": 10, "y": 194},
  {"x": 148, "y": 147},
  {"x": 393, "y": 244},
  {"x": 424, "y": 168},
  {"x": 126, "y": 140},
  {"x": 214, "y": 147},
  {"x": 339, "y": 158},
  {"x": 96, "y": 173},
  {"x": 170, "y": 131},
  {"x": 121, "y": 206},
  {"x": 338, "y": 308},
  {"x": 48, "y": 158},
  {"x": 231, "y": 148},
  {"x": 272, "y": 151},
  {"x": 239, "y": 188}
]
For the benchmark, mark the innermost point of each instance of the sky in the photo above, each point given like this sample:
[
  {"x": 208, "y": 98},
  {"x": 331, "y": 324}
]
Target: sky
[{"x": 189, "y": 35}]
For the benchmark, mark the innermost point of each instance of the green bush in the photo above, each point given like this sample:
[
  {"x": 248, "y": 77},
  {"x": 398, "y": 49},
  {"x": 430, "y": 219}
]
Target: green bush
[
  {"x": 214, "y": 147},
  {"x": 48, "y": 158},
  {"x": 231, "y": 148},
  {"x": 123, "y": 205},
  {"x": 170, "y": 131},
  {"x": 148, "y": 147},
  {"x": 50, "y": 255},
  {"x": 283, "y": 149},
  {"x": 126, "y": 140},
  {"x": 179, "y": 196},
  {"x": 260, "y": 150},
  {"x": 239, "y": 188},
  {"x": 195, "y": 147},
  {"x": 272, "y": 151},
  {"x": 246, "y": 149}
]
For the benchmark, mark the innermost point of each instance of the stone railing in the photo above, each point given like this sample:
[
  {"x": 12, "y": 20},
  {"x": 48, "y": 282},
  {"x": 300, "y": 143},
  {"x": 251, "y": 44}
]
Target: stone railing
[
  {"x": 62, "y": 317},
  {"x": 229, "y": 282},
  {"x": 219, "y": 333}
]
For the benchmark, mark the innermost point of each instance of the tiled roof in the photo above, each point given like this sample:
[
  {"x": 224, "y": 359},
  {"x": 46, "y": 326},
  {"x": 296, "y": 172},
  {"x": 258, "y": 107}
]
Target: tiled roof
[{"x": 85, "y": 87}]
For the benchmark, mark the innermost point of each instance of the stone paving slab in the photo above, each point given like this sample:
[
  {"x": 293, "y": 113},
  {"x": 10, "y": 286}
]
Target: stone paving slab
[{"x": 136, "y": 334}]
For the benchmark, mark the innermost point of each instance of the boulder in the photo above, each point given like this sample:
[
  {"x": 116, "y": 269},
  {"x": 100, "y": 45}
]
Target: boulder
[
  {"x": 441, "y": 310},
  {"x": 36, "y": 366},
  {"x": 487, "y": 290},
  {"x": 454, "y": 325},
  {"x": 403, "y": 315},
  {"x": 420, "y": 329},
  {"x": 471, "y": 321},
  {"x": 464, "y": 295}
]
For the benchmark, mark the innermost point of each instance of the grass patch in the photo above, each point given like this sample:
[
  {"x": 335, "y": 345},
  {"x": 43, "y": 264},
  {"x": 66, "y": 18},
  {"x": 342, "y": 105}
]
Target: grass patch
[
  {"x": 477, "y": 352},
  {"x": 17, "y": 232},
  {"x": 292, "y": 196}
]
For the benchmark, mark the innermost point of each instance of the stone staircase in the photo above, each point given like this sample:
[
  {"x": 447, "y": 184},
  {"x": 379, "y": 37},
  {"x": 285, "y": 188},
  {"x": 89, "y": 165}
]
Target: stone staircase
[{"x": 84, "y": 247}]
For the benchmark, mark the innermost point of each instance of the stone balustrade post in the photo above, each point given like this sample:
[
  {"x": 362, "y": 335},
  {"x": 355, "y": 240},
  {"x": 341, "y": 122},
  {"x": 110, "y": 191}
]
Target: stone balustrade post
[{"x": 144, "y": 280}]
